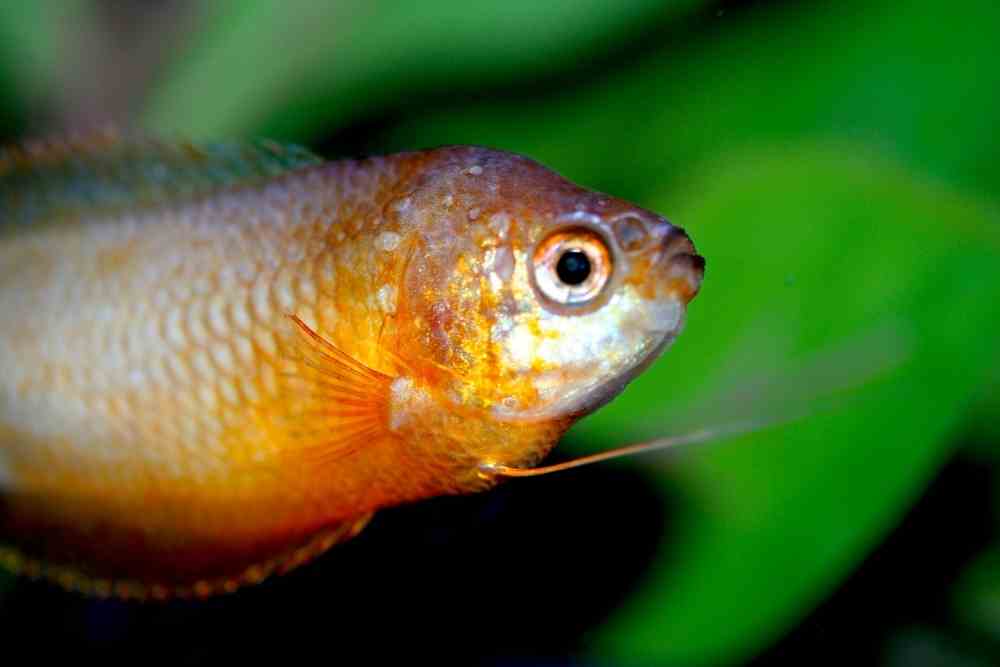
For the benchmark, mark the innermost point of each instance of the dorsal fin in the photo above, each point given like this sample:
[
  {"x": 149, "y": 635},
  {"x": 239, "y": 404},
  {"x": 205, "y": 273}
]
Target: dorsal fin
[{"x": 108, "y": 171}]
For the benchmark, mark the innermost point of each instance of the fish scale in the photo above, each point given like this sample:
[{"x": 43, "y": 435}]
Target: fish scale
[{"x": 217, "y": 362}]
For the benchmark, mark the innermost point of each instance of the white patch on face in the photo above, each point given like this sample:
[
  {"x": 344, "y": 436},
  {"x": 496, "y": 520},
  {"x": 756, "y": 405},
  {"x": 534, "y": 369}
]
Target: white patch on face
[
  {"x": 388, "y": 241},
  {"x": 586, "y": 358},
  {"x": 405, "y": 400},
  {"x": 387, "y": 299},
  {"x": 503, "y": 263},
  {"x": 498, "y": 263},
  {"x": 500, "y": 225},
  {"x": 665, "y": 315},
  {"x": 521, "y": 346}
]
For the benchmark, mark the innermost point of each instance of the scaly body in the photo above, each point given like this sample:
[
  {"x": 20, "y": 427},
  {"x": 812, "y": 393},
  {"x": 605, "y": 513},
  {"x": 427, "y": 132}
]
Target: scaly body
[{"x": 198, "y": 390}]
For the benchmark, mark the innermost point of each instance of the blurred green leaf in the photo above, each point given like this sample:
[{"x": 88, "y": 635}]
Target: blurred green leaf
[
  {"x": 846, "y": 245},
  {"x": 30, "y": 38},
  {"x": 977, "y": 595},
  {"x": 29, "y": 32},
  {"x": 909, "y": 79},
  {"x": 984, "y": 434},
  {"x": 326, "y": 62},
  {"x": 929, "y": 647}
]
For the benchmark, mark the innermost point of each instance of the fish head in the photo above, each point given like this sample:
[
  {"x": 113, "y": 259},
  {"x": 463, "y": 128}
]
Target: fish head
[{"x": 543, "y": 298}]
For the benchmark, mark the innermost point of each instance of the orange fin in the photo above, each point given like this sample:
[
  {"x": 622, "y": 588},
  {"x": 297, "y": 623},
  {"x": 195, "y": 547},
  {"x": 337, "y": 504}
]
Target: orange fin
[
  {"x": 335, "y": 404},
  {"x": 72, "y": 579}
]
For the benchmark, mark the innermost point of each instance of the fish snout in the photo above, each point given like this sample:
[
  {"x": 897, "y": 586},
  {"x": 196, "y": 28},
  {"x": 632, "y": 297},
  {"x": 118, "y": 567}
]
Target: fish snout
[{"x": 684, "y": 267}]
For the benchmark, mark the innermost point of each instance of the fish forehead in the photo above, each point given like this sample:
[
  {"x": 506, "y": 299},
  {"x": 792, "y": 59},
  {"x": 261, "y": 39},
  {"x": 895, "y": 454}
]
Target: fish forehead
[
  {"x": 475, "y": 176},
  {"x": 476, "y": 207}
]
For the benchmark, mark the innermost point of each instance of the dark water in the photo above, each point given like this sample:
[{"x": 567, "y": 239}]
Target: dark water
[
  {"x": 517, "y": 576},
  {"x": 524, "y": 571}
]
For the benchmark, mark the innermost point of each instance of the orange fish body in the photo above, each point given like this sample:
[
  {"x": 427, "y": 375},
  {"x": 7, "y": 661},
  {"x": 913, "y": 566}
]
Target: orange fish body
[{"x": 202, "y": 384}]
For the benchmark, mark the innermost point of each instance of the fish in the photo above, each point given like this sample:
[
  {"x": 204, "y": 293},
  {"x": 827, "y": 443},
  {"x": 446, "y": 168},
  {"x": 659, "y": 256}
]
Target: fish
[{"x": 219, "y": 360}]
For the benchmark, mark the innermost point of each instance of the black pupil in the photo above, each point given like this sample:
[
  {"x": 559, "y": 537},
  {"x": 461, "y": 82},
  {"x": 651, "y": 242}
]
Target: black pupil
[{"x": 573, "y": 267}]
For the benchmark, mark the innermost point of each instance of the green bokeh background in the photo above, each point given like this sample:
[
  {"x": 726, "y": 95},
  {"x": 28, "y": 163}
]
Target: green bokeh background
[{"x": 837, "y": 163}]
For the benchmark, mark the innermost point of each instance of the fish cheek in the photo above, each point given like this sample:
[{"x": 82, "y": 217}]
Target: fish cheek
[{"x": 442, "y": 294}]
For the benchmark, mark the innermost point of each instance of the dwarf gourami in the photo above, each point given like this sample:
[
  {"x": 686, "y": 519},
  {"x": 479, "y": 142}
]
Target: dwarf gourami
[{"x": 218, "y": 361}]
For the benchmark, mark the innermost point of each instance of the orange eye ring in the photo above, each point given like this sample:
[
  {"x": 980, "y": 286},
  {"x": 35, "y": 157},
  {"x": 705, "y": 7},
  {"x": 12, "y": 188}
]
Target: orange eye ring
[{"x": 571, "y": 267}]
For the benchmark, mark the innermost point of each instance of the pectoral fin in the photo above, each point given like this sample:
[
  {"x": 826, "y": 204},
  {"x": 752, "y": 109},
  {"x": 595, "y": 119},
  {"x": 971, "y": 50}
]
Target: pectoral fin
[{"x": 335, "y": 405}]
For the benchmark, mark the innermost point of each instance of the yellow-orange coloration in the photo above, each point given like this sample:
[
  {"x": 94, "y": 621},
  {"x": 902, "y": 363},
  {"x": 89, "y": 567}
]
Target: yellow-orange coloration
[{"x": 201, "y": 385}]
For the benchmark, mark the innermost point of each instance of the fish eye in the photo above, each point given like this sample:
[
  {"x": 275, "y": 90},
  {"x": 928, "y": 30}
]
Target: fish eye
[{"x": 572, "y": 266}]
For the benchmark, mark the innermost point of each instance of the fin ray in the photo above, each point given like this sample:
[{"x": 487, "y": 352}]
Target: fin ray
[
  {"x": 76, "y": 580},
  {"x": 108, "y": 171},
  {"x": 339, "y": 405}
]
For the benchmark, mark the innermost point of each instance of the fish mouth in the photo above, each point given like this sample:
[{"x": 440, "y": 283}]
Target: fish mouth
[{"x": 684, "y": 267}]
